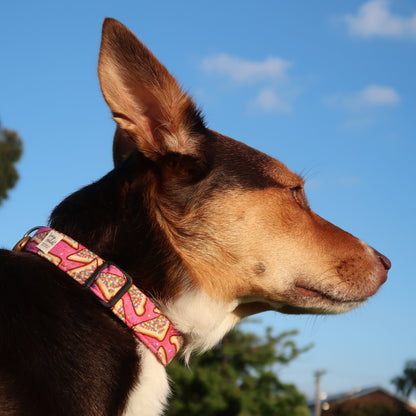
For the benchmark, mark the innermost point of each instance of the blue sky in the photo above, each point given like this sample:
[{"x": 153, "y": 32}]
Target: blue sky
[{"x": 327, "y": 87}]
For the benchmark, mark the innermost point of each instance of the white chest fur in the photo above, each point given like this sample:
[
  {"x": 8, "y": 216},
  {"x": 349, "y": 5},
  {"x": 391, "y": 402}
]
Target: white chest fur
[
  {"x": 202, "y": 330},
  {"x": 149, "y": 396}
]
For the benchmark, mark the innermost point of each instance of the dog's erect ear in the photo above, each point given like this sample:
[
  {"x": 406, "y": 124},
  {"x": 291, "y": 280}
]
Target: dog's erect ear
[{"x": 146, "y": 101}]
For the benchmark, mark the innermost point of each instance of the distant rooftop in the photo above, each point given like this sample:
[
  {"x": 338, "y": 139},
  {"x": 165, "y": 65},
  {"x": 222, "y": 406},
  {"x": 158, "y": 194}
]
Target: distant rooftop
[{"x": 370, "y": 401}]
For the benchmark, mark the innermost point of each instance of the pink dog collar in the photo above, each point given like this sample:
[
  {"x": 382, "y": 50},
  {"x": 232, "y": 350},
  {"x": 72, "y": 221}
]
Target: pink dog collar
[{"x": 113, "y": 287}]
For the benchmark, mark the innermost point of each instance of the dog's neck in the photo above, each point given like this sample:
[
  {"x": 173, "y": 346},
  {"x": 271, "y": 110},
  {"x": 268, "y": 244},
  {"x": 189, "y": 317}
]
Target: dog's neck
[
  {"x": 110, "y": 218},
  {"x": 100, "y": 217}
]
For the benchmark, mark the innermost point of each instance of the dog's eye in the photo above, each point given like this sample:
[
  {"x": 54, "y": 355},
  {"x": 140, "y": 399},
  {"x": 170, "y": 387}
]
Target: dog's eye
[{"x": 299, "y": 196}]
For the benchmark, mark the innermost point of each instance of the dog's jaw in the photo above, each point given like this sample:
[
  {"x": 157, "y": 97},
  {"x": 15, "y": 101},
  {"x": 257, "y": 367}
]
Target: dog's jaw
[{"x": 204, "y": 320}]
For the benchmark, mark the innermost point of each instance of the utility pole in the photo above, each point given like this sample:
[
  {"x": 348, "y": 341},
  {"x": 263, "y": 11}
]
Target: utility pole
[{"x": 318, "y": 375}]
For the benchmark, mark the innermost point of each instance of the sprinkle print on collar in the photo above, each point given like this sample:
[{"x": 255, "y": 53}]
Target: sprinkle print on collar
[{"x": 113, "y": 287}]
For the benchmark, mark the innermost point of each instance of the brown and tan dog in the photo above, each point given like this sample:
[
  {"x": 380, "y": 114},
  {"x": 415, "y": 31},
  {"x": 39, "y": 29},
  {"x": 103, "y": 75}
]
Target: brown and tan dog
[{"x": 210, "y": 230}]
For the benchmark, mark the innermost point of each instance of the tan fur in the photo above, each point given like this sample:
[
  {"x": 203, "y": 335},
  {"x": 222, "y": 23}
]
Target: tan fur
[
  {"x": 150, "y": 111},
  {"x": 254, "y": 249},
  {"x": 259, "y": 245},
  {"x": 208, "y": 228},
  {"x": 237, "y": 234}
]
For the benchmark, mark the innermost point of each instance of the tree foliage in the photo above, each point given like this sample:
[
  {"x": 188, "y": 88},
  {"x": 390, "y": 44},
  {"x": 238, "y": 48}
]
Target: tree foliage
[
  {"x": 406, "y": 383},
  {"x": 11, "y": 149},
  {"x": 238, "y": 378}
]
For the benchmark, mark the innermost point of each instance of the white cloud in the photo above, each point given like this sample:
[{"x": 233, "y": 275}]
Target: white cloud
[
  {"x": 246, "y": 71},
  {"x": 375, "y": 95},
  {"x": 374, "y": 18},
  {"x": 369, "y": 97},
  {"x": 269, "y": 78},
  {"x": 269, "y": 101}
]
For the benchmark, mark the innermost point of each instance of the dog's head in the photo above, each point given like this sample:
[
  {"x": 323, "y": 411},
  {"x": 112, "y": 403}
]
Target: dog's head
[{"x": 237, "y": 220}]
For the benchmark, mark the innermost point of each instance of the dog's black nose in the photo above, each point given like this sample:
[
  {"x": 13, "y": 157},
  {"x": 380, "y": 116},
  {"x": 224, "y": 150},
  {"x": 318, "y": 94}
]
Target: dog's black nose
[
  {"x": 382, "y": 268},
  {"x": 384, "y": 260}
]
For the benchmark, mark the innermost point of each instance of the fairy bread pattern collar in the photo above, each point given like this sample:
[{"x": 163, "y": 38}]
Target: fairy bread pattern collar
[{"x": 112, "y": 286}]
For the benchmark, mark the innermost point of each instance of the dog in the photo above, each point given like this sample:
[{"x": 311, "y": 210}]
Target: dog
[{"x": 201, "y": 229}]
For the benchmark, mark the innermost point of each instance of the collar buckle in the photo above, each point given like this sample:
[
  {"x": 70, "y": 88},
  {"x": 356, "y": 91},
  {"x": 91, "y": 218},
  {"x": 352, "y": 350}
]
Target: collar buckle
[{"x": 105, "y": 267}]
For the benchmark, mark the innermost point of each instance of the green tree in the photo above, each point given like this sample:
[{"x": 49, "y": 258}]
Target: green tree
[
  {"x": 238, "y": 378},
  {"x": 11, "y": 149},
  {"x": 406, "y": 383}
]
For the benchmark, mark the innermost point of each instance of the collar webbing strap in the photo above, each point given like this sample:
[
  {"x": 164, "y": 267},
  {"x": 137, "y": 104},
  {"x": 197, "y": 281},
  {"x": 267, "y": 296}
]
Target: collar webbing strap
[{"x": 113, "y": 287}]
